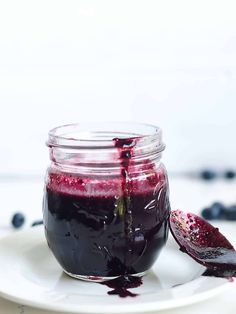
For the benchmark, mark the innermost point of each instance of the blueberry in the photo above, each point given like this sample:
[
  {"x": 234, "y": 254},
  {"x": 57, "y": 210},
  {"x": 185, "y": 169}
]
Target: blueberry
[
  {"x": 218, "y": 205},
  {"x": 217, "y": 210},
  {"x": 207, "y": 214},
  {"x": 18, "y": 220},
  {"x": 37, "y": 223},
  {"x": 230, "y": 212},
  {"x": 229, "y": 174},
  {"x": 208, "y": 174}
]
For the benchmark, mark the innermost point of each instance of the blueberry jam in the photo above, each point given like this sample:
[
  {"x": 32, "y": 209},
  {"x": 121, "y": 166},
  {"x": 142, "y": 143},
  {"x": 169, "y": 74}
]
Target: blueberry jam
[
  {"x": 204, "y": 243},
  {"x": 110, "y": 225}
]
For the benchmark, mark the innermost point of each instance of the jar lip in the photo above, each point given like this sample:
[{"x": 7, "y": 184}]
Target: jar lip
[{"x": 102, "y": 134}]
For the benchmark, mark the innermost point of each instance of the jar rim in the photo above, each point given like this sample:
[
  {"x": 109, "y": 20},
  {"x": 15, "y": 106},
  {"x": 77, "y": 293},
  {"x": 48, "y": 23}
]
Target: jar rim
[{"x": 102, "y": 134}]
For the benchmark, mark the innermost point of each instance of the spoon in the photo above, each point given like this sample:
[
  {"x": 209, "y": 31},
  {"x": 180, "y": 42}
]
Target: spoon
[{"x": 204, "y": 243}]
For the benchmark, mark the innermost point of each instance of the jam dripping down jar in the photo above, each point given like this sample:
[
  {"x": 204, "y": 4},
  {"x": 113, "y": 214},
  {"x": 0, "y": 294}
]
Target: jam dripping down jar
[{"x": 106, "y": 199}]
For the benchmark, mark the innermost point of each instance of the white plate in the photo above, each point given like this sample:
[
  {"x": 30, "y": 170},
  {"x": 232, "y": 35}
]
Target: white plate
[{"x": 29, "y": 274}]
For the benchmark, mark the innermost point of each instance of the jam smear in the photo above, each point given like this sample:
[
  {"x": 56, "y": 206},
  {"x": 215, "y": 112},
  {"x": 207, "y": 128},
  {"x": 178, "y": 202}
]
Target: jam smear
[
  {"x": 204, "y": 243},
  {"x": 227, "y": 273},
  {"x": 120, "y": 285}
]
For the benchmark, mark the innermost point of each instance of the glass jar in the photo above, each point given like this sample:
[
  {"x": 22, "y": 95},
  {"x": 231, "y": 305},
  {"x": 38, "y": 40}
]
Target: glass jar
[{"x": 106, "y": 201}]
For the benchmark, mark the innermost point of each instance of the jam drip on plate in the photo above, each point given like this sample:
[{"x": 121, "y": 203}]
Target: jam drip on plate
[{"x": 121, "y": 285}]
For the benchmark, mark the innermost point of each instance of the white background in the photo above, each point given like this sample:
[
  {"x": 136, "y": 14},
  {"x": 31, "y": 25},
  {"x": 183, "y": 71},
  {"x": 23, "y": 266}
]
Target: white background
[{"x": 171, "y": 63}]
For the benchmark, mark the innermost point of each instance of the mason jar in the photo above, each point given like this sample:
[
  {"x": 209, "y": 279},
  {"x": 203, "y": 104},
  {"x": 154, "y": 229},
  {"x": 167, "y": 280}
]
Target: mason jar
[{"x": 106, "y": 200}]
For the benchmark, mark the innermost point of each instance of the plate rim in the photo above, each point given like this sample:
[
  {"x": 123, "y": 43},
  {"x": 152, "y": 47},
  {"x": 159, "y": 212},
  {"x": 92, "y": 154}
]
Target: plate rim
[
  {"x": 146, "y": 306},
  {"x": 127, "y": 308}
]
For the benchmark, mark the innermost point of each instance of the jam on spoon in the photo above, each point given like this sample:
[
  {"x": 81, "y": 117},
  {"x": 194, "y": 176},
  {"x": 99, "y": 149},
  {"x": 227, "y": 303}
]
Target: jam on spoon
[{"x": 204, "y": 243}]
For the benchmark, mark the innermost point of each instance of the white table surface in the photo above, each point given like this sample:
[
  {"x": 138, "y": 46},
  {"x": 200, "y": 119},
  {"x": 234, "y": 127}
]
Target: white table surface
[{"x": 186, "y": 194}]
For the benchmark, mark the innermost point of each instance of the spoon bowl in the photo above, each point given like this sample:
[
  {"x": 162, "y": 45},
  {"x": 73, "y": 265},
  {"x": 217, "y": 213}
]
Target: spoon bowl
[{"x": 204, "y": 243}]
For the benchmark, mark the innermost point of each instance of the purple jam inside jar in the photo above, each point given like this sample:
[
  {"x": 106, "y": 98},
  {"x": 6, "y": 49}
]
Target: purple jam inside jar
[{"x": 106, "y": 217}]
